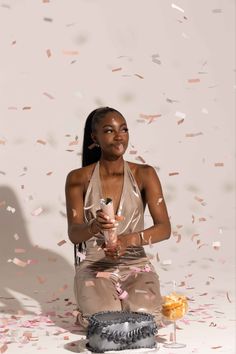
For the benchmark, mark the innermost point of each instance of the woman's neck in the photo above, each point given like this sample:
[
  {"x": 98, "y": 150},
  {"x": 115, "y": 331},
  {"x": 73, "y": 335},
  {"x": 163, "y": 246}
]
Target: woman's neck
[{"x": 113, "y": 167}]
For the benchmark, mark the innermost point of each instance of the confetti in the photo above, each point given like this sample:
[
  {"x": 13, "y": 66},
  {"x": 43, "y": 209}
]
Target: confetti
[
  {"x": 19, "y": 250},
  {"x": 167, "y": 262},
  {"x": 180, "y": 114},
  {"x": 62, "y": 242},
  {"x": 49, "y": 53},
  {"x": 19, "y": 262},
  {"x": 47, "y": 19},
  {"x": 173, "y": 173},
  {"x": 11, "y": 209},
  {"x": 159, "y": 201},
  {"x": 49, "y": 173},
  {"x": 177, "y": 8},
  {"x": 48, "y": 95},
  {"x": 3, "y": 348},
  {"x": 202, "y": 219},
  {"x": 74, "y": 142},
  {"x": 217, "y": 11},
  {"x": 140, "y": 159},
  {"x": 103, "y": 275},
  {"x": 116, "y": 69},
  {"x": 37, "y": 211},
  {"x": 191, "y": 135},
  {"x": 193, "y": 81},
  {"x": 141, "y": 77},
  {"x": 180, "y": 121},
  {"x": 41, "y": 279},
  {"x": 89, "y": 283},
  {"x": 40, "y": 141},
  {"x": 219, "y": 164},
  {"x": 155, "y": 59},
  {"x": 82, "y": 256},
  {"x": 26, "y": 108},
  {"x": 133, "y": 152},
  {"x": 2, "y": 142},
  {"x": 216, "y": 245},
  {"x": 227, "y": 295},
  {"x": 16, "y": 237},
  {"x": 70, "y": 52}
]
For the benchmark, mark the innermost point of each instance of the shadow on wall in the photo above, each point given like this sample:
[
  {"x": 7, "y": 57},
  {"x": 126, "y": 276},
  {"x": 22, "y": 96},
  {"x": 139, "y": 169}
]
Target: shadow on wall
[{"x": 47, "y": 277}]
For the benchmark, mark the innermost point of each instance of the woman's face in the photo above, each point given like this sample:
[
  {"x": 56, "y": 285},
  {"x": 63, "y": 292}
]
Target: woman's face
[{"x": 112, "y": 135}]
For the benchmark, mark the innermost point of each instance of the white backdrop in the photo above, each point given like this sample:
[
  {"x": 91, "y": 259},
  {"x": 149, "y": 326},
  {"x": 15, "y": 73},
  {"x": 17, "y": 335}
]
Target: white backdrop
[{"x": 169, "y": 68}]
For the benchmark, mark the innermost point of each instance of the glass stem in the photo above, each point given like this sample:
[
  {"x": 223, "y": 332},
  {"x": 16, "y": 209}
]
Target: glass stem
[{"x": 174, "y": 334}]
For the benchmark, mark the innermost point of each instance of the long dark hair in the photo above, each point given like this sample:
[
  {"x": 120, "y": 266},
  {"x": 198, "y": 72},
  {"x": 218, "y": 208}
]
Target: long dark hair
[{"x": 92, "y": 153}]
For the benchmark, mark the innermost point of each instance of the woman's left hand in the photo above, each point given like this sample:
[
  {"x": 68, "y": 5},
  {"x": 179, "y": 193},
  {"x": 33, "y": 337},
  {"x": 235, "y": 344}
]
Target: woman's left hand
[{"x": 118, "y": 250}]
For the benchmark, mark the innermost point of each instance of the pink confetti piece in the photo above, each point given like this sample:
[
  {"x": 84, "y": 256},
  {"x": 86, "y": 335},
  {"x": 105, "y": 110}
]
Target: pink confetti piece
[
  {"x": 193, "y": 81},
  {"x": 116, "y": 69},
  {"x": 49, "y": 53},
  {"x": 141, "y": 77},
  {"x": 105, "y": 275},
  {"x": 149, "y": 117},
  {"x": 202, "y": 219},
  {"x": 48, "y": 95},
  {"x": 2, "y": 203},
  {"x": 219, "y": 164},
  {"x": 193, "y": 219},
  {"x": 25, "y": 108},
  {"x": 216, "y": 245},
  {"x": 133, "y": 152},
  {"x": 41, "y": 279},
  {"x": 194, "y": 235},
  {"x": 89, "y": 283},
  {"x": 49, "y": 173},
  {"x": 37, "y": 211},
  {"x": 74, "y": 212},
  {"x": 19, "y": 250},
  {"x": 75, "y": 142},
  {"x": 123, "y": 295},
  {"x": 159, "y": 201},
  {"x": 217, "y": 347},
  {"x": 40, "y": 141},
  {"x": 62, "y": 242},
  {"x": 19, "y": 262},
  {"x": 192, "y": 135},
  {"x": 2, "y": 142},
  {"x": 70, "y": 52},
  {"x": 3, "y": 348},
  {"x": 198, "y": 199},
  {"x": 12, "y": 108},
  {"x": 82, "y": 256},
  {"x": 173, "y": 173}
]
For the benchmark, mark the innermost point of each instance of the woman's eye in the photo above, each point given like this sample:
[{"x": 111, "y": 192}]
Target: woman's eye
[
  {"x": 108, "y": 131},
  {"x": 125, "y": 130}
]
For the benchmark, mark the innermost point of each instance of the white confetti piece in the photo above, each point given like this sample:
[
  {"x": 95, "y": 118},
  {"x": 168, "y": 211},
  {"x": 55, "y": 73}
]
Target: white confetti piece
[
  {"x": 204, "y": 111},
  {"x": 82, "y": 256},
  {"x": 159, "y": 201},
  {"x": 19, "y": 262},
  {"x": 89, "y": 283},
  {"x": 16, "y": 237},
  {"x": 11, "y": 209},
  {"x": 167, "y": 262},
  {"x": 180, "y": 114},
  {"x": 177, "y": 8},
  {"x": 37, "y": 211},
  {"x": 216, "y": 244}
]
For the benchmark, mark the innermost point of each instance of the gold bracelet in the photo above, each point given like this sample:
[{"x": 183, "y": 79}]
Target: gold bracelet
[{"x": 90, "y": 223}]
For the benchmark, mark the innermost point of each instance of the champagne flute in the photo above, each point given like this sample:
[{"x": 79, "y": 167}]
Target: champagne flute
[{"x": 174, "y": 307}]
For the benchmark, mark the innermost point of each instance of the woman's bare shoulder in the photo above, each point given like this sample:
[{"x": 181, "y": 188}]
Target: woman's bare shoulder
[
  {"x": 80, "y": 175},
  {"x": 141, "y": 172}
]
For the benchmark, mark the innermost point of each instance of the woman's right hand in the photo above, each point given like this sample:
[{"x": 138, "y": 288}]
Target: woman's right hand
[{"x": 104, "y": 222}]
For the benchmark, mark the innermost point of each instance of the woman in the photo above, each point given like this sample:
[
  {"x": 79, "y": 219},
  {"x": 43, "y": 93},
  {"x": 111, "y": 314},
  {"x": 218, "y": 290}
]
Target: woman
[{"x": 121, "y": 277}]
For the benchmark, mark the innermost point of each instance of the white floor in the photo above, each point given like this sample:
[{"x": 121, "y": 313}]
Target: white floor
[{"x": 208, "y": 327}]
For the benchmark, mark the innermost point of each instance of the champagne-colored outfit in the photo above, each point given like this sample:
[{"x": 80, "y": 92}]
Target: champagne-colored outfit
[{"x": 133, "y": 271}]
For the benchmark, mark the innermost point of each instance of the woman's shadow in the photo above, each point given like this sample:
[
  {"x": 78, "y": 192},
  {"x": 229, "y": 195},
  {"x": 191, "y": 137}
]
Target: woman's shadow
[{"x": 46, "y": 280}]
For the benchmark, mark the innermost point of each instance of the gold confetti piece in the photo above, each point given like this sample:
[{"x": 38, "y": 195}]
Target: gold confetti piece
[
  {"x": 218, "y": 347},
  {"x": 62, "y": 242},
  {"x": 48, "y": 95},
  {"x": 3, "y": 348},
  {"x": 49, "y": 173},
  {"x": 89, "y": 283},
  {"x": 2, "y": 142},
  {"x": 2, "y": 203},
  {"x": 202, "y": 219},
  {"x": 219, "y": 164},
  {"x": 37, "y": 211},
  {"x": 141, "y": 77},
  {"x": 173, "y": 173},
  {"x": 26, "y": 108},
  {"x": 149, "y": 116},
  {"x": 180, "y": 121},
  {"x": 116, "y": 69},
  {"x": 19, "y": 262},
  {"x": 27, "y": 334},
  {"x": 191, "y": 135},
  {"x": 177, "y": 8},
  {"x": 20, "y": 250},
  {"x": 70, "y": 52},
  {"x": 40, "y": 141},
  {"x": 193, "y": 81},
  {"x": 140, "y": 159}
]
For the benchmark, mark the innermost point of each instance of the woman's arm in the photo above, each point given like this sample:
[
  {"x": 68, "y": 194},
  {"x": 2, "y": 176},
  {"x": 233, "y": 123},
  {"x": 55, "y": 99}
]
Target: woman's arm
[{"x": 78, "y": 230}]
